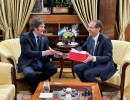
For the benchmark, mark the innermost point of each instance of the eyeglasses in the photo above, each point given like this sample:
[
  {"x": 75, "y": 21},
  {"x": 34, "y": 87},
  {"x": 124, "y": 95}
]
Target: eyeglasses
[{"x": 90, "y": 27}]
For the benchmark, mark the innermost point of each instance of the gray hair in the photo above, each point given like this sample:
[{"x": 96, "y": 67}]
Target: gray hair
[
  {"x": 35, "y": 22},
  {"x": 98, "y": 23}
]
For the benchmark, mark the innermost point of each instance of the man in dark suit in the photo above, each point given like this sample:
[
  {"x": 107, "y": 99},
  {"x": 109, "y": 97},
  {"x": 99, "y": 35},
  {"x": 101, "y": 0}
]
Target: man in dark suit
[
  {"x": 99, "y": 62},
  {"x": 34, "y": 52}
]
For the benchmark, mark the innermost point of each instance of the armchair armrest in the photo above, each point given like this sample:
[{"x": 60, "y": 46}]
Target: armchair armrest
[
  {"x": 6, "y": 54},
  {"x": 125, "y": 69},
  {"x": 124, "y": 76},
  {"x": 7, "y": 73}
]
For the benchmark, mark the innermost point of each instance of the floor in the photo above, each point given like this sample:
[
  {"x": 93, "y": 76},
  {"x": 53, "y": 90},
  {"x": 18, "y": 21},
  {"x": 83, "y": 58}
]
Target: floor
[{"x": 67, "y": 76}]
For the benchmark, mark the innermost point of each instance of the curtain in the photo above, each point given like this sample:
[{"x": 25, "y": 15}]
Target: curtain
[
  {"x": 86, "y": 10},
  {"x": 5, "y": 17},
  {"x": 21, "y": 10},
  {"x": 124, "y": 17},
  {"x": 14, "y": 16}
]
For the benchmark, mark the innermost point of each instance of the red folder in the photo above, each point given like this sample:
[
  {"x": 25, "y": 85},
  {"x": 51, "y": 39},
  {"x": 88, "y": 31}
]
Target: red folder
[{"x": 78, "y": 55}]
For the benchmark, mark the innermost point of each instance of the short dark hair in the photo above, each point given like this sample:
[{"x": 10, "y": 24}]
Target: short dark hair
[
  {"x": 98, "y": 23},
  {"x": 35, "y": 22}
]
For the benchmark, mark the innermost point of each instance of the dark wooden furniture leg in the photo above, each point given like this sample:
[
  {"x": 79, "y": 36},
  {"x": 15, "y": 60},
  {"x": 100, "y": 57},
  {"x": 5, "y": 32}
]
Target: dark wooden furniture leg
[
  {"x": 61, "y": 70},
  {"x": 72, "y": 65},
  {"x": 62, "y": 66}
]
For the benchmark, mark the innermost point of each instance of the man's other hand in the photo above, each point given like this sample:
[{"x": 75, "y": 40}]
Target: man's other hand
[
  {"x": 65, "y": 55},
  {"x": 90, "y": 58},
  {"x": 49, "y": 52}
]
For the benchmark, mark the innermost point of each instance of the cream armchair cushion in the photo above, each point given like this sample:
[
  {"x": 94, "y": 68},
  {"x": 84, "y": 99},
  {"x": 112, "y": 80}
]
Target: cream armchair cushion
[
  {"x": 7, "y": 89},
  {"x": 10, "y": 51},
  {"x": 121, "y": 56}
]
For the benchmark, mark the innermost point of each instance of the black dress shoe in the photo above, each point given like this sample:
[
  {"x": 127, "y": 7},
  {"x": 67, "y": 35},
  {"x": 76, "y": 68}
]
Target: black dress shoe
[
  {"x": 101, "y": 92},
  {"x": 32, "y": 90}
]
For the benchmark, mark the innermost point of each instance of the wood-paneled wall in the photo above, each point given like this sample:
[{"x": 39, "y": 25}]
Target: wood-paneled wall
[
  {"x": 107, "y": 14},
  {"x": 127, "y": 33}
]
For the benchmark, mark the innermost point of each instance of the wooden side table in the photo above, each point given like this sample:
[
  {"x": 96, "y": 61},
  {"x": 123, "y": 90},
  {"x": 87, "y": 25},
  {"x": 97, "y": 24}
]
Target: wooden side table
[{"x": 65, "y": 49}]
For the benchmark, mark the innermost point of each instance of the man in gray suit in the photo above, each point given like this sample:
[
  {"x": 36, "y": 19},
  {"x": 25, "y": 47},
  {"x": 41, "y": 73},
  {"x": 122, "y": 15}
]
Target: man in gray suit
[
  {"x": 99, "y": 62},
  {"x": 34, "y": 52}
]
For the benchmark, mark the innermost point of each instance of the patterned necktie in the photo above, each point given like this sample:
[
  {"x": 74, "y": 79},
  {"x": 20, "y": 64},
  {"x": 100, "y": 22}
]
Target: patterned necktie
[
  {"x": 38, "y": 46},
  {"x": 38, "y": 42},
  {"x": 92, "y": 46}
]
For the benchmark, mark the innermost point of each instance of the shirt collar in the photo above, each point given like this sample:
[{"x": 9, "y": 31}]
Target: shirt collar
[
  {"x": 35, "y": 34},
  {"x": 96, "y": 37}
]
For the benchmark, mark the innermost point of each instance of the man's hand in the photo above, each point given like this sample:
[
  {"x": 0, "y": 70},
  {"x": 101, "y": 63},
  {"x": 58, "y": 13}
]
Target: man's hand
[
  {"x": 49, "y": 52},
  {"x": 65, "y": 55},
  {"x": 90, "y": 58},
  {"x": 57, "y": 56}
]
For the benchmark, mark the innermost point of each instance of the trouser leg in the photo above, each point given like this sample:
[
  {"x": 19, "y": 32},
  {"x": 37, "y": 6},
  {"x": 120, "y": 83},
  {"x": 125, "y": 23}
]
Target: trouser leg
[
  {"x": 31, "y": 77},
  {"x": 48, "y": 71},
  {"x": 91, "y": 74},
  {"x": 79, "y": 70}
]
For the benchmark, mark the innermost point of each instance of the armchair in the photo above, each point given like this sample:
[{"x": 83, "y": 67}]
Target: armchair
[
  {"x": 121, "y": 57},
  {"x": 7, "y": 83},
  {"x": 10, "y": 51}
]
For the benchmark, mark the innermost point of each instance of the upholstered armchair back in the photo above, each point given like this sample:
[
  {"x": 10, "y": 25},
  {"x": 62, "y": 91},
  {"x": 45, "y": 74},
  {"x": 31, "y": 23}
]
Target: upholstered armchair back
[
  {"x": 12, "y": 47},
  {"x": 119, "y": 50},
  {"x": 10, "y": 51}
]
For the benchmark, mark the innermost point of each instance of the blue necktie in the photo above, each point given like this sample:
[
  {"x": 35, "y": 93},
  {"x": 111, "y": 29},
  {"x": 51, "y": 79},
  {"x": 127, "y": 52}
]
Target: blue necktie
[
  {"x": 92, "y": 47},
  {"x": 38, "y": 43},
  {"x": 38, "y": 46}
]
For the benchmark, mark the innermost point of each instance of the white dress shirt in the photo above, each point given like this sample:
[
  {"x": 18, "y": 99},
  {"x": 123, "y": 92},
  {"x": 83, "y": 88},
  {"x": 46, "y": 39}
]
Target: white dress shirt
[{"x": 95, "y": 38}]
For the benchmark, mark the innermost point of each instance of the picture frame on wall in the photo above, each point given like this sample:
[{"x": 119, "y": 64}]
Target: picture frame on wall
[
  {"x": 40, "y": 9},
  {"x": 46, "y": 10}
]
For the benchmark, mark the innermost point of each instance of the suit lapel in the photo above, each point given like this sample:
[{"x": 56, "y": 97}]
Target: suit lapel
[
  {"x": 97, "y": 44},
  {"x": 33, "y": 38},
  {"x": 91, "y": 51},
  {"x": 42, "y": 38}
]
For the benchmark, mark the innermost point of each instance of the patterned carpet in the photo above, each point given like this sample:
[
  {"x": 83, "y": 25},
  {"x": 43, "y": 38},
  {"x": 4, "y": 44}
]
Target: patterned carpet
[{"x": 26, "y": 95}]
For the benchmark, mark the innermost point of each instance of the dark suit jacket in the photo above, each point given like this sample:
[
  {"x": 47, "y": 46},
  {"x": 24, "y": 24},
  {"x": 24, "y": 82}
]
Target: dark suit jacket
[
  {"x": 29, "y": 53},
  {"x": 103, "y": 53}
]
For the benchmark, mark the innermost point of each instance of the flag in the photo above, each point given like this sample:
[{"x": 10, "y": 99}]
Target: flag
[
  {"x": 74, "y": 31},
  {"x": 62, "y": 31},
  {"x": 65, "y": 35}
]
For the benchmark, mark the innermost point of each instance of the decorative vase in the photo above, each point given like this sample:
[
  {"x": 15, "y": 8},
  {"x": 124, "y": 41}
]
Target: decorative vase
[{"x": 66, "y": 41}]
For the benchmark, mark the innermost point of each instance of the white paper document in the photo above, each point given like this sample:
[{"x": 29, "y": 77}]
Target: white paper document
[{"x": 46, "y": 95}]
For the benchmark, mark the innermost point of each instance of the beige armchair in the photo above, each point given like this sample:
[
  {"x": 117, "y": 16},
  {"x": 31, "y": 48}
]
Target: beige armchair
[
  {"x": 121, "y": 56},
  {"x": 7, "y": 87},
  {"x": 10, "y": 51}
]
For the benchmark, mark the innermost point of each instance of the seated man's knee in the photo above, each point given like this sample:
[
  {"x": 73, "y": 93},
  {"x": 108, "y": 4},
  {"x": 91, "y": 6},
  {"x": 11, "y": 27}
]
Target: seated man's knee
[
  {"x": 88, "y": 74},
  {"x": 76, "y": 68},
  {"x": 29, "y": 73}
]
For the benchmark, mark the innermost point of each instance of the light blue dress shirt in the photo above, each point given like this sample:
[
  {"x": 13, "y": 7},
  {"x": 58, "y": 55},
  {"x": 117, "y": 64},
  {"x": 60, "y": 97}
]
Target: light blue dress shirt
[{"x": 35, "y": 35}]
